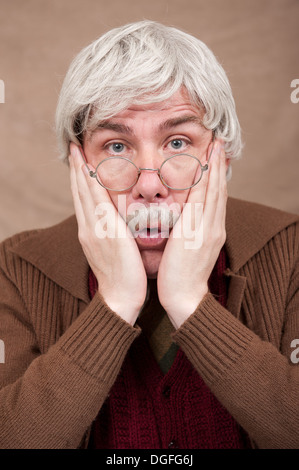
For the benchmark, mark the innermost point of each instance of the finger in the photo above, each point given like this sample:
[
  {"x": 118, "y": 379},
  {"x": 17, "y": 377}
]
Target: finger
[
  {"x": 197, "y": 193},
  {"x": 221, "y": 210},
  {"x": 95, "y": 199},
  {"x": 76, "y": 199},
  {"x": 217, "y": 221},
  {"x": 212, "y": 193},
  {"x": 98, "y": 192},
  {"x": 82, "y": 188}
]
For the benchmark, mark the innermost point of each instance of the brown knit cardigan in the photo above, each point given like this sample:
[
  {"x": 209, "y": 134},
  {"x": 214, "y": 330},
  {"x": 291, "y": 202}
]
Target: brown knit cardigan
[{"x": 63, "y": 351}]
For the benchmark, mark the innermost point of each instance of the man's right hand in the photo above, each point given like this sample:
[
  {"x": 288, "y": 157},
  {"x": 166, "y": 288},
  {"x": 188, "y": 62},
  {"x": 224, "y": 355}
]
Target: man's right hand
[{"x": 115, "y": 261}]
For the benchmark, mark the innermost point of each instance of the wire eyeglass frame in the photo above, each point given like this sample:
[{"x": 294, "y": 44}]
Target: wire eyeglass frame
[{"x": 93, "y": 174}]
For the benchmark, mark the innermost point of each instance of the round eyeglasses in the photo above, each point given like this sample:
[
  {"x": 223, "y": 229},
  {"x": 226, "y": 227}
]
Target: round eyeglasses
[{"x": 119, "y": 173}]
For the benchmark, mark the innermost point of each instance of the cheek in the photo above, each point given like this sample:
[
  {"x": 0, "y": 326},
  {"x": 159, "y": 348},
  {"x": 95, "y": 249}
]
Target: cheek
[
  {"x": 178, "y": 199},
  {"x": 121, "y": 201},
  {"x": 93, "y": 161}
]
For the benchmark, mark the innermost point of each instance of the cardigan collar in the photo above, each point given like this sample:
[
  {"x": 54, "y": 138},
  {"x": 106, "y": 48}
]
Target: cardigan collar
[{"x": 56, "y": 251}]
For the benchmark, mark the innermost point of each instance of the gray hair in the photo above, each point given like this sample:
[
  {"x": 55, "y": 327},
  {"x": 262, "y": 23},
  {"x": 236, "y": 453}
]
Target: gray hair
[{"x": 142, "y": 63}]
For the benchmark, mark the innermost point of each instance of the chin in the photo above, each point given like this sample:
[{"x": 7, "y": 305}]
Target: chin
[{"x": 151, "y": 261}]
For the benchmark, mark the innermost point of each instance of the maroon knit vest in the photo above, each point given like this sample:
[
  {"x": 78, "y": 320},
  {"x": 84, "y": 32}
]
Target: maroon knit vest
[{"x": 148, "y": 410}]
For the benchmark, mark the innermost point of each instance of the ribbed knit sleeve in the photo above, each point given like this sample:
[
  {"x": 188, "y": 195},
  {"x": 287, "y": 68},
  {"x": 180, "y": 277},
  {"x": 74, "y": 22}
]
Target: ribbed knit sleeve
[
  {"x": 98, "y": 341},
  {"x": 50, "y": 396},
  {"x": 214, "y": 337}
]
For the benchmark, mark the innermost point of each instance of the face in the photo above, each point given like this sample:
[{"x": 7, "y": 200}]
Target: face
[{"x": 147, "y": 135}]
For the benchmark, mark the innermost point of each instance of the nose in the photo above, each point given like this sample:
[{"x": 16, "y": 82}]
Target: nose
[{"x": 149, "y": 186}]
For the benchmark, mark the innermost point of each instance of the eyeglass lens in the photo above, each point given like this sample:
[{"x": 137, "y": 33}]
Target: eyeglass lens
[{"x": 119, "y": 174}]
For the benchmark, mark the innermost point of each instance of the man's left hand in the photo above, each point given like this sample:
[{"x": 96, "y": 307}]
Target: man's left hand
[{"x": 185, "y": 268}]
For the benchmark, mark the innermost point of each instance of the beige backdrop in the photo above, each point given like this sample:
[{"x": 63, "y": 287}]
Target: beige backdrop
[{"x": 257, "y": 42}]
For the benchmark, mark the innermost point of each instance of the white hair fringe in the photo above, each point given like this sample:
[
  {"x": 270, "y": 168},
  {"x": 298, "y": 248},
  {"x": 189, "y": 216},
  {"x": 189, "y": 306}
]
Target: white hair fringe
[{"x": 140, "y": 63}]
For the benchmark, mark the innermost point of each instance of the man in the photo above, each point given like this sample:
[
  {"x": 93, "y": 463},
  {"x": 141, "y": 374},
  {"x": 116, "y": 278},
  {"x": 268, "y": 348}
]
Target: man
[{"x": 163, "y": 314}]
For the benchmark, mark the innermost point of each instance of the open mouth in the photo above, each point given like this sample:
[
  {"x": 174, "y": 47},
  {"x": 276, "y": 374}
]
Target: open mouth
[
  {"x": 152, "y": 232},
  {"x": 151, "y": 238},
  {"x": 151, "y": 225}
]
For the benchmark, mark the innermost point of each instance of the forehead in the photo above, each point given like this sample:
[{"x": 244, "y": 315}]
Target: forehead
[
  {"x": 177, "y": 103},
  {"x": 154, "y": 117}
]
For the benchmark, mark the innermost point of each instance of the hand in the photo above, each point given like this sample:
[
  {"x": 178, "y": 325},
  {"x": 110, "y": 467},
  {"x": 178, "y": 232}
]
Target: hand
[
  {"x": 184, "y": 272},
  {"x": 115, "y": 261}
]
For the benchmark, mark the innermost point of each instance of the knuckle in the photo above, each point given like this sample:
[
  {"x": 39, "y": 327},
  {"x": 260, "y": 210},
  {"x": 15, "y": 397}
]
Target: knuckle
[
  {"x": 82, "y": 237},
  {"x": 81, "y": 194},
  {"x": 219, "y": 237}
]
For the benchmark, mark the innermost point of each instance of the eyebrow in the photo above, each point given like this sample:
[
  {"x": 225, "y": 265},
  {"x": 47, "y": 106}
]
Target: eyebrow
[
  {"x": 169, "y": 124},
  {"x": 174, "y": 122},
  {"x": 113, "y": 126}
]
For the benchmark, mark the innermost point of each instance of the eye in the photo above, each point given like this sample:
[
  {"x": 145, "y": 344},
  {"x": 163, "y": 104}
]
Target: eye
[
  {"x": 176, "y": 144},
  {"x": 117, "y": 147}
]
